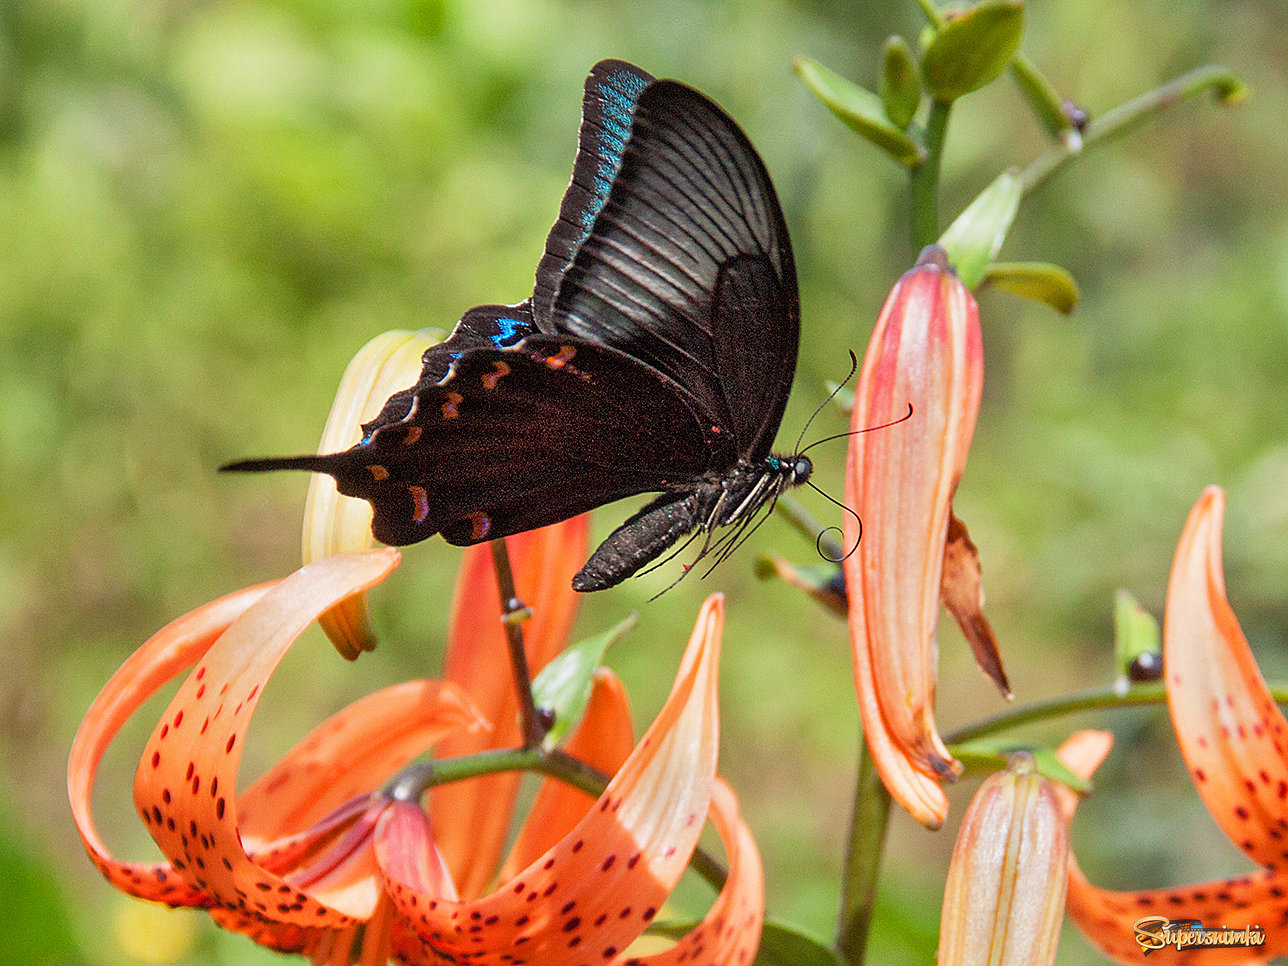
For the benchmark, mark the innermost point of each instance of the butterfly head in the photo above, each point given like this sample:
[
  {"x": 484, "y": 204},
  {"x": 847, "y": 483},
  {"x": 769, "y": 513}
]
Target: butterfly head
[
  {"x": 800, "y": 470},
  {"x": 791, "y": 470}
]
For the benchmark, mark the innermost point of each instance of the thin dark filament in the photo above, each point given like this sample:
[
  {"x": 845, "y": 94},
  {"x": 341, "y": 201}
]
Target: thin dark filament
[
  {"x": 854, "y": 365},
  {"x": 743, "y": 538},
  {"x": 818, "y": 544},
  {"x": 867, "y": 429}
]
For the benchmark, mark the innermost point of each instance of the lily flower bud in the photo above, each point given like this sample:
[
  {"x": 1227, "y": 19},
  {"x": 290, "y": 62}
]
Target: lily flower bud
[
  {"x": 920, "y": 386},
  {"x": 334, "y": 523},
  {"x": 1004, "y": 899}
]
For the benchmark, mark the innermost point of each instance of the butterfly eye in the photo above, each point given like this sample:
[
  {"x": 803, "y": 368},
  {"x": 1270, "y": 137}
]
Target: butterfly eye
[{"x": 802, "y": 469}]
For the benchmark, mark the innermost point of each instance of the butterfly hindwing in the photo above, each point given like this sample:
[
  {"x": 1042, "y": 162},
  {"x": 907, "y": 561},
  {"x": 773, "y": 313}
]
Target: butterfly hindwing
[
  {"x": 482, "y": 327},
  {"x": 514, "y": 439}
]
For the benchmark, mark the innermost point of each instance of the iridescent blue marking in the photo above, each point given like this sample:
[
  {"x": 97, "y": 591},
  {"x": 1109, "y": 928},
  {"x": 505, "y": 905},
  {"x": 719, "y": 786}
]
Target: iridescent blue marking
[
  {"x": 773, "y": 462},
  {"x": 618, "y": 94},
  {"x": 512, "y": 331}
]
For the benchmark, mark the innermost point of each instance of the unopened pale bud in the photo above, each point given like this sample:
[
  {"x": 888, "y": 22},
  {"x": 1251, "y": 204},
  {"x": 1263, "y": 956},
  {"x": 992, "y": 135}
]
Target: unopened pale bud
[
  {"x": 334, "y": 523},
  {"x": 1004, "y": 899}
]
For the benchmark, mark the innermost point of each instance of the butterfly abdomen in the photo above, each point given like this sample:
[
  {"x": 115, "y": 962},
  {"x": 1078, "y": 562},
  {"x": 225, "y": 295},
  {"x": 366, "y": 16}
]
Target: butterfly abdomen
[{"x": 640, "y": 540}]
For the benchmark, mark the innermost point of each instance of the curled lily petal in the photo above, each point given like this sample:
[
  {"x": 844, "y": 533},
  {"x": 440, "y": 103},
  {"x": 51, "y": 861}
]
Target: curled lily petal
[
  {"x": 1231, "y": 733},
  {"x": 592, "y": 893},
  {"x": 1004, "y": 899},
  {"x": 1107, "y": 917},
  {"x": 472, "y": 818},
  {"x": 925, "y": 353},
  {"x": 603, "y": 739},
  {"x": 730, "y": 931},
  {"x": 334, "y": 523},
  {"x": 185, "y": 787},
  {"x": 350, "y": 753},
  {"x": 173, "y": 649}
]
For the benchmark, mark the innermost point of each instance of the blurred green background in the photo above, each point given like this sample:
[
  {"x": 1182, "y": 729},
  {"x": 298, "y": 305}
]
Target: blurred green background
[{"x": 207, "y": 207}]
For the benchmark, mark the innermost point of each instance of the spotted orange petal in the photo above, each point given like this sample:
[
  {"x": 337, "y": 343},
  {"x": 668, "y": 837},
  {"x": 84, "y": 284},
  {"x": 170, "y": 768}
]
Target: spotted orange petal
[
  {"x": 185, "y": 787},
  {"x": 352, "y": 752},
  {"x": 1231, "y": 733},
  {"x": 730, "y": 932},
  {"x": 603, "y": 739},
  {"x": 471, "y": 819},
  {"x": 1106, "y": 916},
  {"x": 591, "y": 894},
  {"x": 171, "y": 650}
]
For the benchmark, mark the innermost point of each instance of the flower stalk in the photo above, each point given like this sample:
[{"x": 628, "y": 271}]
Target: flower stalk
[
  {"x": 923, "y": 183},
  {"x": 1222, "y": 82},
  {"x": 513, "y": 612},
  {"x": 863, "y": 853}
]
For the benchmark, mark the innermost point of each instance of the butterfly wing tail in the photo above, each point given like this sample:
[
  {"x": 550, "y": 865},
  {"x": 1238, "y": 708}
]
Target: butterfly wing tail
[
  {"x": 331, "y": 464},
  {"x": 346, "y": 467}
]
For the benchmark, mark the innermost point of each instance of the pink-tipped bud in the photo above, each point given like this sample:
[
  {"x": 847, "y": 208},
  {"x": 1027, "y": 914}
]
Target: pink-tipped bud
[{"x": 926, "y": 356}]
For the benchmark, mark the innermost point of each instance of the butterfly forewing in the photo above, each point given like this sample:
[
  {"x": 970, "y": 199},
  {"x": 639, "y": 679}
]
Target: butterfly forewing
[
  {"x": 607, "y": 112},
  {"x": 690, "y": 197}
]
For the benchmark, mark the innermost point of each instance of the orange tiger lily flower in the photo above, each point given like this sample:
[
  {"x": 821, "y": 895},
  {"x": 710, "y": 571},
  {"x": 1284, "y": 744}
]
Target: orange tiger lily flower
[
  {"x": 925, "y": 352},
  {"x": 314, "y": 858},
  {"x": 289, "y": 860},
  {"x": 1234, "y": 740},
  {"x": 472, "y": 818}
]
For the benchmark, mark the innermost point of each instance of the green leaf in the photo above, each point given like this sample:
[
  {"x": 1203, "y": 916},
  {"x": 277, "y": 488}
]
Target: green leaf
[
  {"x": 971, "y": 50},
  {"x": 859, "y": 108},
  {"x": 784, "y": 946},
  {"x": 975, "y": 237},
  {"x": 1136, "y": 639},
  {"x": 1042, "y": 96},
  {"x": 563, "y": 686},
  {"x": 989, "y": 756},
  {"x": 779, "y": 945},
  {"x": 1040, "y": 281},
  {"x": 900, "y": 82}
]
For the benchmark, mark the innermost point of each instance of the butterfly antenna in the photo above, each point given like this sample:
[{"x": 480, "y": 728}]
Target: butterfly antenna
[
  {"x": 855, "y": 432},
  {"x": 818, "y": 543},
  {"x": 854, "y": 365}
]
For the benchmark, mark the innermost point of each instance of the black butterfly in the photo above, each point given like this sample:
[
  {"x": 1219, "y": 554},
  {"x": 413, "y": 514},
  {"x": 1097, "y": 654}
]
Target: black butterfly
[{"x": 655, "y": 354}]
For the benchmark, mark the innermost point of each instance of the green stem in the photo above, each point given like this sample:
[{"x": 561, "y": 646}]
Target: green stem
[
  {"x": 1106, "y": 696},
  {"x": 924, "y": 182},
  {"x": 862, "y": 859},
  {"x": 1127, "y": 117},
  {"x": 795, "y": 514},
  {"x": 513, "y": 613},
  {"x": 416, "y": 779}
]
